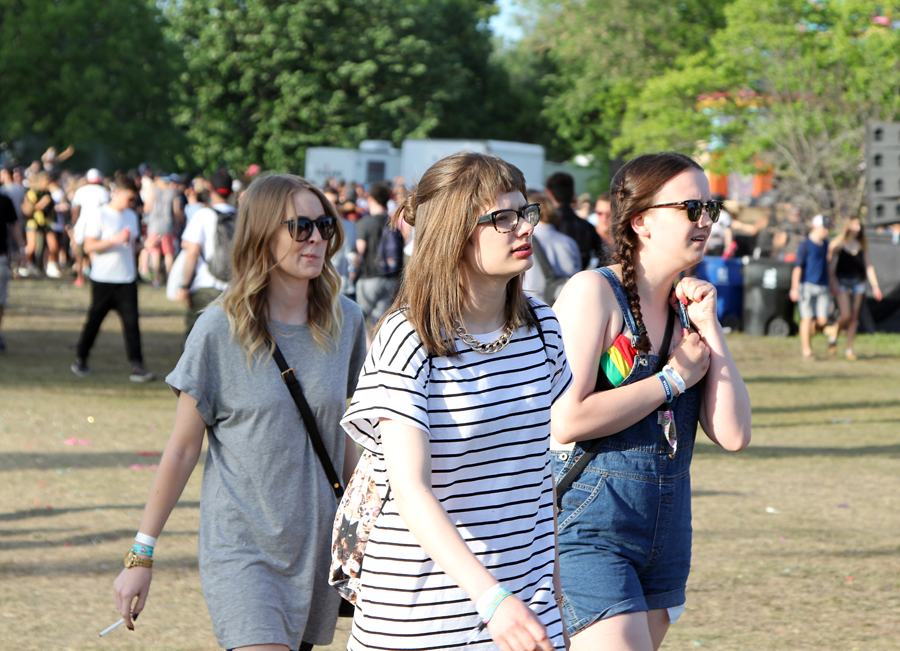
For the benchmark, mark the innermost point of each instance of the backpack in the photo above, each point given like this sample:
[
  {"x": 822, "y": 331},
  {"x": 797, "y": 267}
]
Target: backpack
[
  {"x": 389, "y": 252},
  {"x": 219, "y": 264},
  {"x": 553, "y": 283}
]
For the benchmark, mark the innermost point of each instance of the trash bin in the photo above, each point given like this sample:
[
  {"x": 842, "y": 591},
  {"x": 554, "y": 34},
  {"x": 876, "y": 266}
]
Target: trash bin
[
  {"x": 768, "y": 308},
  {"x": 727, "y": 275}
]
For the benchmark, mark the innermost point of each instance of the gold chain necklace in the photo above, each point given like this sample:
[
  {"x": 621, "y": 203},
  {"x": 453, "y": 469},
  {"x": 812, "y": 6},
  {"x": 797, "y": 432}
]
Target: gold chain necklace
[{"x": 480, "y": 347}]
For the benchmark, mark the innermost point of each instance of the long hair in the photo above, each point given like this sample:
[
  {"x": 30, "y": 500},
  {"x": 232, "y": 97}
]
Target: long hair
[
  {"x": 634, "y": 189},
  {"x": 266, "y": 203},
  {"x": 444, "y": 208},
  {"x": 846, "y": 234}
]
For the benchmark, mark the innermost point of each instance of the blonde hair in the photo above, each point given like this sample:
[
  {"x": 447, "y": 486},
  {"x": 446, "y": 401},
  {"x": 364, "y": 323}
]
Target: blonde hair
[
  {"x": 444, "y": 208},
  {"x": 266, "y": 203},
  {"x": 845, "y": 235}
]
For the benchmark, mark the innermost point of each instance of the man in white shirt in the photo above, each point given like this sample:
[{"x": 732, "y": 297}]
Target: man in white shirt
[
  {"x": 199, "y": 287},
  {"x": 86, "y": 199},
  {"x": 110, "y": 236}
]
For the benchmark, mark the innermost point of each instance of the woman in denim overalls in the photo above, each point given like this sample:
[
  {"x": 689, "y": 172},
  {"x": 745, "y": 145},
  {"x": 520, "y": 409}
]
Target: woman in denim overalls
[{"x": 625, "y": 518}]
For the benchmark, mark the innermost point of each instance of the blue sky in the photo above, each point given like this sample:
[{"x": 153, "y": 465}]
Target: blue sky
[{"x": 503, "y": 23}]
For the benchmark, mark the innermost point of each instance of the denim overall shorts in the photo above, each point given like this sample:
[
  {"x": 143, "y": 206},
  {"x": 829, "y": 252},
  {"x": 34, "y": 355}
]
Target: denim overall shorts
[{"x": 625, "y": 522}]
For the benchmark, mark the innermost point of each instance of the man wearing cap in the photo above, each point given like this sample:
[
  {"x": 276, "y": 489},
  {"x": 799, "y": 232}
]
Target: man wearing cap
[
  {"x": 87, "y": 198},
  {"x": 199, "y": 287},
  {"x": 812, "y": 283}
]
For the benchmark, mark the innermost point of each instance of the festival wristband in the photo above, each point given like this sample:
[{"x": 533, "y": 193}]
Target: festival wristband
[
  {"x": 142, "y": 549},
  {"x": 488, "y": 602},
  {"x": 675, "y": 378},
  {"x": 144, "y": 539},
  {"x": 666, "y": 386}
]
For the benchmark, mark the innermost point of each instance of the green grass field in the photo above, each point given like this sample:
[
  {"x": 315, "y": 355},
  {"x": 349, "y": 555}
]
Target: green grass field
[{"x": 796, "y": 539}]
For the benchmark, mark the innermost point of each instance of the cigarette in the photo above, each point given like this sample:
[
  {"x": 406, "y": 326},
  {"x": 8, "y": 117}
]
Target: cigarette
[{"x": 112, "y": 628}]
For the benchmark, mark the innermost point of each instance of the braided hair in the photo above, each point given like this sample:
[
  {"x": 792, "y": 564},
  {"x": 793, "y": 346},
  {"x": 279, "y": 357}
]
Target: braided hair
[{"x": 634, "y": 189}]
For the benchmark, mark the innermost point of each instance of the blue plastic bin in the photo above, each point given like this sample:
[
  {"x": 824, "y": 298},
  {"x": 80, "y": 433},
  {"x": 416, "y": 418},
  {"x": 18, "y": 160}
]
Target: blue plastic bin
[{"x": 728, "y": 277}]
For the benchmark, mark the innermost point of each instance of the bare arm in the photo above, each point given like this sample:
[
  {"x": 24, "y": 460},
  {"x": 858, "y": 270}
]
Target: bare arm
[
  {"x": 725, "y": 411},
  {"x": 191, "y": 255},
  {"x": 796, "y": 275},
  {"x": 361, "y": 247},
  {"x": 588, "y": 314},
  {"x": 96, "y": 245},
  {"x": 873, "y": 279},
  {"x": 408, "y": 458},
  {"x": 178, "y": 461}
]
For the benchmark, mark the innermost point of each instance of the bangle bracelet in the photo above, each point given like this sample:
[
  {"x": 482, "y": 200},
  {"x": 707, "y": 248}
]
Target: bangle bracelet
[
  {"x": 144, "y": 539},
  {"x": 675, "y": 378},
  {"x": 142, "y": 549},
  {"x": 666, "y": 386}
]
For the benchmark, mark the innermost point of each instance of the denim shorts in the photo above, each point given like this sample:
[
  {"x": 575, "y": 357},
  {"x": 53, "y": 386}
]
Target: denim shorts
[
  {"x": 852, "y": 285},
  {"x": 624, "y": 535}
]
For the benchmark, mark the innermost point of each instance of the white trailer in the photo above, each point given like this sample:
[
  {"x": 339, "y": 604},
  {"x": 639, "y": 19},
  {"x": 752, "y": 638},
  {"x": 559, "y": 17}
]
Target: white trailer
[
  {"x": 418, "y": 155},
  {"x": 375, "y": 160}
]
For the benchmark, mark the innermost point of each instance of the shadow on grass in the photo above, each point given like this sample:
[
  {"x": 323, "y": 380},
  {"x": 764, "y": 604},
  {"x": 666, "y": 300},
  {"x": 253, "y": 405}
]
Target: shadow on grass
[
  {"x": 76, "y": 568},
  {"x": 790, "y": 379},
  {"x": 824, "y": 423},
  {"x": 78, "y": 541},
  {"x": 50, "y": 513},
  {"x": 53, "y": 460},
  {"x": 832, "y": 406},
  {"x": 777, "y": 452}
]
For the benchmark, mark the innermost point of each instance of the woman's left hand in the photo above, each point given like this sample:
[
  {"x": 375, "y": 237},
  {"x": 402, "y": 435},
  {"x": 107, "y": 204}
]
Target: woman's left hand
[{"x": 699, "y": 296}]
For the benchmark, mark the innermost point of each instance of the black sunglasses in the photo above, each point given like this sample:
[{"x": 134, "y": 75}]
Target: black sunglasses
[
  {"x": 506, "y": 220},
  {"x": 694, "y": 208},
  {"x": 301, "y": 228}
]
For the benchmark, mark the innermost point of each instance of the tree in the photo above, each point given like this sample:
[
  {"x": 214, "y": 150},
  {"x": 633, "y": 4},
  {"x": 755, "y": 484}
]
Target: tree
[
  {"x": 604, "y": 52},
  {"x": 266, "y": 79},
  {"x": 789, "y": 84},
  {"x": 95, "y": 74}
]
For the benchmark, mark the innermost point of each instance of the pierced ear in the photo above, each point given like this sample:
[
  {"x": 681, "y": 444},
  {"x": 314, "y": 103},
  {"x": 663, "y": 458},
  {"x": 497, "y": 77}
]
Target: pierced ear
[{"x": 639, "y": 225}]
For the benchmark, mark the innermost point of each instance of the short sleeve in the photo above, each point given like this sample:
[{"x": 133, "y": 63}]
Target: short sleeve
[
  {"x": 393, "y": 384},
  {"x": 195, "y": 372},
  {"x": 556, "y": 353},
  {"x": 801, "y": 254},
  {"x": 93, "y": 226},
  {"x": 194, "y": 231}
]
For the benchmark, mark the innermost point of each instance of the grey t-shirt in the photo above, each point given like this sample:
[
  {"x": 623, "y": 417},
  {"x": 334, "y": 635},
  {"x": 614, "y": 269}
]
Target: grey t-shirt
[
  {"x": 266, "y": 508},
  {"x": 161, "y": 220}
]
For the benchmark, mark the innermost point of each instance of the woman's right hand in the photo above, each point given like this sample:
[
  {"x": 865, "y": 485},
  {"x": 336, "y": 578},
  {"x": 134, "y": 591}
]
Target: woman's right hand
[
  {"x": 132, "y": 582},
  {"x": 514, "y": 627},
  {"x": 691, "y": 359}
]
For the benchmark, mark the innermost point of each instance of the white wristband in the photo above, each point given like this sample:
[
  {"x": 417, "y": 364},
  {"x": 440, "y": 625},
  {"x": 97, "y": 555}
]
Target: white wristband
[
  {"x": 676, "y": 379},
  {"x": 144, "y": 539}
]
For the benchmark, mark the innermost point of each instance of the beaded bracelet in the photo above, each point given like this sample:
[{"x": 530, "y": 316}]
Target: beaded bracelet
[
  {"x": 142, "y": 549},
  {"x": 666, "y": 386}
]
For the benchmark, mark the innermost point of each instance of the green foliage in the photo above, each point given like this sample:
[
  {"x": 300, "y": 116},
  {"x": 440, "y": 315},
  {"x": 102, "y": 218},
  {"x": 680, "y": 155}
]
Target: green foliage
[
  {"x": 267, "y": 79},
  {"x": 787, "y": 83},
  {"x": 604, "y": 52},
  {"x": 92, "y": 73}
]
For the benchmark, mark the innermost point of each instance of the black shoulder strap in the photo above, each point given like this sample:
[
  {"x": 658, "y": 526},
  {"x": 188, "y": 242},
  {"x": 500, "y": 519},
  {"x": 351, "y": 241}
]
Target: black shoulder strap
[
  {"x": 591, "y": 448},
  {"x": 290, "y": 379}
]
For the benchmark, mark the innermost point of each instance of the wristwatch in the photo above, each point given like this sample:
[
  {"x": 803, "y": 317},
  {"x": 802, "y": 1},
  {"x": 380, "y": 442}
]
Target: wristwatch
[{"x": 133, "y": 560}]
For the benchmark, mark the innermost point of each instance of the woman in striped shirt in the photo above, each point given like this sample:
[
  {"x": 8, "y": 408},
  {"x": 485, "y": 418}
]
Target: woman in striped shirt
[{"x": 454, "y": 400}]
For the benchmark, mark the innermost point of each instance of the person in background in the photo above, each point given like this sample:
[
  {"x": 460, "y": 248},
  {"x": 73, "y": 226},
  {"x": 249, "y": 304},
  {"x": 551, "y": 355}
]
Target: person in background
[
  {"x": 110, "y": 237},
  {"x": 585, "y": 207},
  {"x": 561, "y": 188},
  {"x": 63, "y": 213},
  {"x": 852, "y": 270},
  {"x": 721, "y": 236},
  {"x": 603, "y": 226},
  {"x": 40, "y": 211},
  {"x": 199, "y": 287},
  {"x": 560, "y": 251},
  {"x": 346, "y": 258},
  {"x": 374, "y": 292},
  {"x": 88, "y": 198},
  {"x": 13, "y": 188},
  {"x": 640, "y": 388},
  {"x": 266, "y": 508},
  {"x": 790, "y": 233},
  {"x": 197, "y": 197},
  {"x": 811, "y": 281},
  {"x": 8, "y": 219},
  {"x": 159, "y": 216}
]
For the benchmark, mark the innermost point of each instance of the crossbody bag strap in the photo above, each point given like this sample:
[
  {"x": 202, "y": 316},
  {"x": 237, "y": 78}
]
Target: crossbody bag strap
[
  {"x": 290, "y": 379},
  {"x": 593, "y": 447}
]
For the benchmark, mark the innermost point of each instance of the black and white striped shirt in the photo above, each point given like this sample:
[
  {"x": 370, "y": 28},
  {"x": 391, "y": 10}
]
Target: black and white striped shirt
[{"x": 488, "y": 421}]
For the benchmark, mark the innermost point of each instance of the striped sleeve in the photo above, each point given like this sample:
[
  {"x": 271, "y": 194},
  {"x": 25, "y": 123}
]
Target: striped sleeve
[
  {"x": 556, "y": 353},
  {"x": 393, "y": 384}
]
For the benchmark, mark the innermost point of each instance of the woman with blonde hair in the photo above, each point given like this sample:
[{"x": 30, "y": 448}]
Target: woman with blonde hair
[
  {"x": 624, "y": 434},
  {"x": 454, "y": 402},
  {"x": 266, "y": 506},
  {"x": 852, "y": 270}
]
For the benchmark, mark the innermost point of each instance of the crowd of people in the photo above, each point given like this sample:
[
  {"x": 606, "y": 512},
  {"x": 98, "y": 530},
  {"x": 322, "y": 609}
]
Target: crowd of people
[{"x": 532, "y": 497}]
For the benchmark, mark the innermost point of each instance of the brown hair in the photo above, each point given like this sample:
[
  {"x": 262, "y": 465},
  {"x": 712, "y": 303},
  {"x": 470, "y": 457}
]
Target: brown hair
[
  {"x": 549, "y": 215},
  {"x": 633, "y": 190},
  {"x": 860, "y": 235},
  {"x": 263, "y": 207},
  {"x": 444, "y": 208}
]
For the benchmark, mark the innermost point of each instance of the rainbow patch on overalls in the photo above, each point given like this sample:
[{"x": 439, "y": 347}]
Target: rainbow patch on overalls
[{"x": 618, "y": 361}]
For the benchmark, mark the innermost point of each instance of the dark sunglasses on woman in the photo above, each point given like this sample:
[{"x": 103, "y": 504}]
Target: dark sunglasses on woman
[
  {"x": 695, "y": 207},
  {"x": 300, "y": 228}
]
